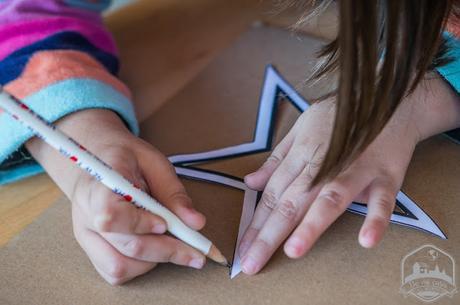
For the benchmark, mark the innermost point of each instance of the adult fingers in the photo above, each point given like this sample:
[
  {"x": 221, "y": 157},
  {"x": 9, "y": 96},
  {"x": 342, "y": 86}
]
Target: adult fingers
[
  {"x": 156, "y": 248},
  {"x": 293, "y": 204},
  {"x": 166, "y": 187},
  {"x": 332, "y": 201},
  {"x": 380, "y": 207}
]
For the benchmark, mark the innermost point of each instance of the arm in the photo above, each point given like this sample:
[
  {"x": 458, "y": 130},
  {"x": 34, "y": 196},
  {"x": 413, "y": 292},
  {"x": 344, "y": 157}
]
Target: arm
[
  {"x": 290, "y": 210},
  {"x": 57, "y": 57},
  {"x": 48, "y": 52}
]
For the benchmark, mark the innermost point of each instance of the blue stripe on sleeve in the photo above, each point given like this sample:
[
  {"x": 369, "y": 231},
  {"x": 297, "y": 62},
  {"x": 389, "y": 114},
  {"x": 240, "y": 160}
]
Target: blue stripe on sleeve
[
  {"x": 12, "y": 66},
  {"x": 20, "y": 172},
  {"x": 94, "y": 5}
]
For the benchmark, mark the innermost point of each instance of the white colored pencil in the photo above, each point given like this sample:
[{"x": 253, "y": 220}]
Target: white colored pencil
[{"x": 105, "y": 174}]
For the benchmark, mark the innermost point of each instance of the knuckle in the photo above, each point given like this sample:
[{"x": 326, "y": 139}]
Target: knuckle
[
  {"x": 386, "y": 201},
  {"x": 177, "y": 254},
  {"x": 181, "y": 196},
  {"x": 274, "y": 158},
  {"x": 175, "y": 257},
  {"x": 115, "y": 282},
  {"x": 106, "y": 209},
  {"x": 385, "y": 205},
  {"x": 288, "y": 209},
  {"x": 103, "y": 221},
  {"x": 263, "y": 244},
  {"x": 105, "y": 216},
  {"x": 117, "y": 270},
  {"x": 104, "y": 205},
  {"x": 133, "y": 248},
  {"x": 269, "y": 199},
  {"x": 333, "y": 199}
]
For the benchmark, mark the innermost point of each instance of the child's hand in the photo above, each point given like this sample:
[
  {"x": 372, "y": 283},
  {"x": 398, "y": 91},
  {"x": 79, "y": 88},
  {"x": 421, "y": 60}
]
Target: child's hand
[
  {"x": 374, "y": 178},
  {"x": 122, "y": 241}
]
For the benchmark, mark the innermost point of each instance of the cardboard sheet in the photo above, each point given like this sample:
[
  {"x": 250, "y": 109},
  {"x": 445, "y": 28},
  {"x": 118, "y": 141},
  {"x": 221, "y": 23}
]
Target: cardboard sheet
[{"x": 44, "y": 265}]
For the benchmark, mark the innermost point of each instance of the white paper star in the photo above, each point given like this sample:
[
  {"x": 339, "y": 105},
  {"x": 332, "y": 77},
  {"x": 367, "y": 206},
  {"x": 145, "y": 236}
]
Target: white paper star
[{"x": 274, "y": 87}]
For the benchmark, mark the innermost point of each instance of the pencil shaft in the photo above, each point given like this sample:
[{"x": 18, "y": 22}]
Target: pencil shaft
[{"x": 100, "y": 170}]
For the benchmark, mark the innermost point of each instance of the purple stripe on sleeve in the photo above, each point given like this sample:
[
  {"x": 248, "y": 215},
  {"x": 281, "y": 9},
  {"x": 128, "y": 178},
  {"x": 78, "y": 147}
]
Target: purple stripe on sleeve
[
  {"x": 20, "y": 34},
  {"x": 21, "y": 10}
]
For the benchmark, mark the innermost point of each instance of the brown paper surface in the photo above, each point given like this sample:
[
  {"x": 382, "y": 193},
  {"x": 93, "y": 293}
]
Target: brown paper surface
[{"x": 44, "y": 265}]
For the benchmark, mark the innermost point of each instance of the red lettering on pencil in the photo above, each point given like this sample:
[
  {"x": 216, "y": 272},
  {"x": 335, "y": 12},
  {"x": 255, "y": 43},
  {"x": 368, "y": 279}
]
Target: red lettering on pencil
[
  {"x": 23, "y": 106},
  {"x": 128, "y": 198},
  {"x": 74, "y": 159}
]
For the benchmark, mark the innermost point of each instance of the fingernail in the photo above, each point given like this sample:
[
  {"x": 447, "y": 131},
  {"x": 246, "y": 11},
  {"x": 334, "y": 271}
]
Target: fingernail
[
  {"x": 249, "y": 265},
  {"x": 367, "y": 238},
  {"x": 293, "y": 247},
  {"x": 196, "y": 263},
  {"x": 159, "y": 228}
]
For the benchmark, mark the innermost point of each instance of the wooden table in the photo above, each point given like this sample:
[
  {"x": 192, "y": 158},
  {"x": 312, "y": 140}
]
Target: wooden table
[{"x": 186, "y": 36}]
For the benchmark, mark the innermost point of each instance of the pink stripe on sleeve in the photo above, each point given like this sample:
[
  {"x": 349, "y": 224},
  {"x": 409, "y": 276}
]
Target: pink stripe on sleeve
[
  {"x": 13, "y": 11},
  {"x": 21, "y": 34}
]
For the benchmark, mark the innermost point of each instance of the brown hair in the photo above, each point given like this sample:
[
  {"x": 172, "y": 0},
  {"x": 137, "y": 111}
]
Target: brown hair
[{"x": 382, "y": 51}]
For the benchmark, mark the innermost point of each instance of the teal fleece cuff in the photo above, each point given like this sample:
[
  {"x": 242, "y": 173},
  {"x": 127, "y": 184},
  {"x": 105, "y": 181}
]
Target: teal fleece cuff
[{"x": 53, "y": 103}]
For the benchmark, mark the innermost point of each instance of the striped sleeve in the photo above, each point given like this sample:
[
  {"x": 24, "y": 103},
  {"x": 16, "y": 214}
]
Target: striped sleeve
[{"x": 58, "y": 58}]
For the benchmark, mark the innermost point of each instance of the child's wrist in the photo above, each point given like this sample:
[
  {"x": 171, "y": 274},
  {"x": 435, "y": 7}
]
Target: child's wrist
[
  {"x": 93, "y": 128},
  {"x": 84, "y": 126},
  {"x": 436, "y": 107}
]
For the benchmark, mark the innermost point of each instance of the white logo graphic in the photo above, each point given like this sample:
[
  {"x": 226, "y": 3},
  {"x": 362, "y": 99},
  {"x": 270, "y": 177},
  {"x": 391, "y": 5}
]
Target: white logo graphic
[{"x": 428, "y": 273}]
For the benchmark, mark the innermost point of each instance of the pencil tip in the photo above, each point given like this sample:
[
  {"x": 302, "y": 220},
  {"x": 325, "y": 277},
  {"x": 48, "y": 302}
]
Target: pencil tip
[{"x": 217, "y": 256}]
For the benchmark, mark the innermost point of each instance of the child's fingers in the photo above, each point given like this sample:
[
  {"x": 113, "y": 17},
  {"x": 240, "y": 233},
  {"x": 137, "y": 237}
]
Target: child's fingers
[
  {"x": 292, "y": 206},
  {"x": 331, "y": 202},
  {"x": 289, "y": 169},
  {"x": 156, "y": 248},
  {"x": 108, "y": 212},
  {"x": 109, "y": 278},
  {"x": 166, "y": 187},
  {"x": 258, "y": 179},
  {"x": 380, "y": 208},
  {"x": 114, "y": 267},
  {"x": 112, "y": 263}
]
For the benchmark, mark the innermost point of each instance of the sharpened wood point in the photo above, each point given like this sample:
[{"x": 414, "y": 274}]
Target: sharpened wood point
[{"x": 217, "y": 256}]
